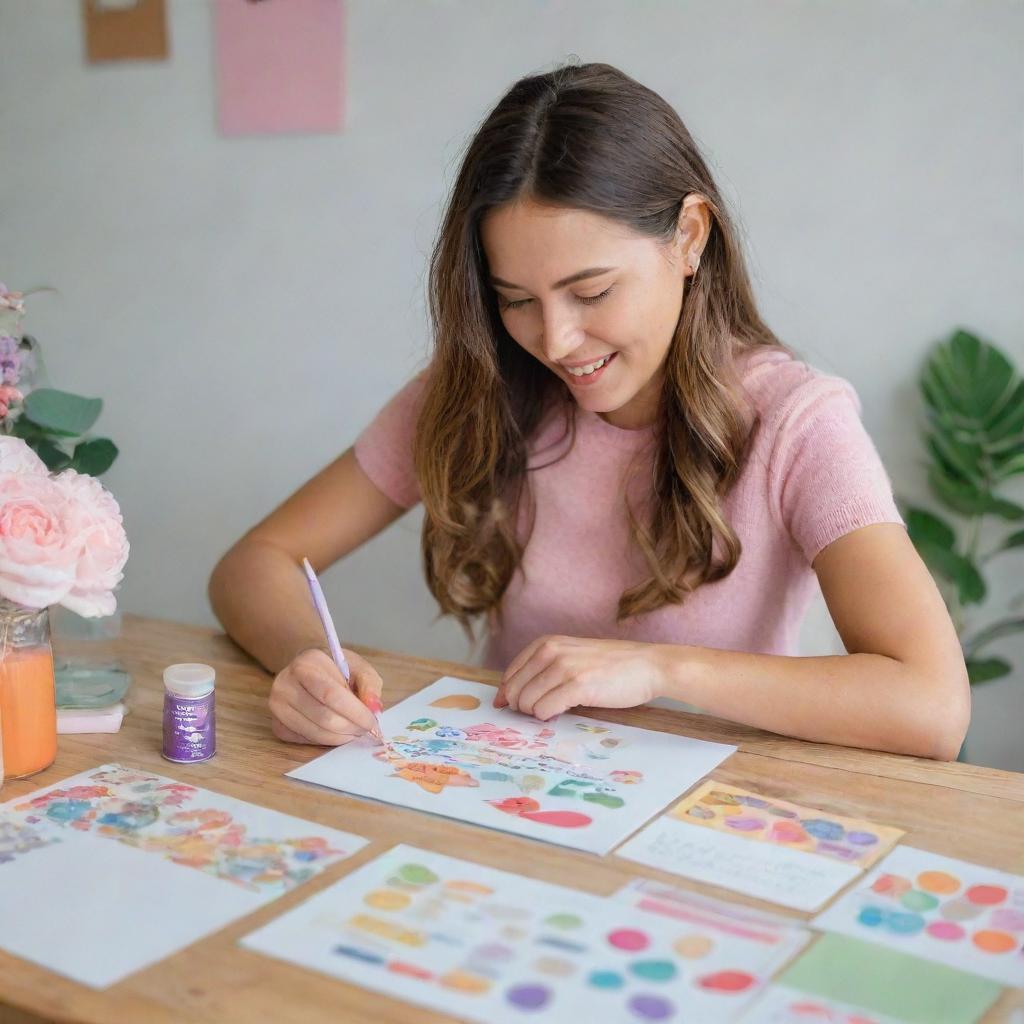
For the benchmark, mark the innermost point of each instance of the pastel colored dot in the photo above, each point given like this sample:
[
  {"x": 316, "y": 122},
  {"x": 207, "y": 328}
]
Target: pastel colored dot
[
  {"x": 651, "y": 1007},
  {"x": 994, "y": 942},
  {"x": 904, "y": 924},
  {"x": 753, "y": 801},
  {"x": 960, "y": 910},
  {"x": 726, "y": 981},
  {"x": 693, "y": 947},
  {"x": 359, "y": 954},
  {"x": 409, "y": 970},
  {"x": 700, "y": 812},
  {"x": 948, "y": 931},
  {"x": 529, "y": 997},
  {"x": 654, "y": 970},
  {"x": 416, "y": 874},
  {"x": 862, "y": 838},
  {"x": 494, "y": 951},
  {"x": 822, "y": 828},
  {"x": 629, "y": 939},
  {"x": 387, "y": 899},
  {"x": 554, "y": 966},
  {"x": 917, "y": 900},
  {"x": 940, "y": 882},
  {"x": 1007, "y": 919},
  {"x": 986, "y": 895},
  {"x": 745, "y": 824},
  {"x": 606, "y": 979},
  {"x": 895, "y": 886},
  {"x": 870, "y": 916},
  {"x": 565, "y": 921},
  {"x": 464, "y": 981}
]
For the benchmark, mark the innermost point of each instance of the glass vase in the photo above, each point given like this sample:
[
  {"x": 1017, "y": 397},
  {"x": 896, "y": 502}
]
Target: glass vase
[{"x": 28, "y": 710}]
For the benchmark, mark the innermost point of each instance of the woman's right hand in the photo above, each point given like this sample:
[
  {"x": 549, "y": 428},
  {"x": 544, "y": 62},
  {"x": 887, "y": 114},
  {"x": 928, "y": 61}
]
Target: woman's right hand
[{"x": 310, "y": 702}]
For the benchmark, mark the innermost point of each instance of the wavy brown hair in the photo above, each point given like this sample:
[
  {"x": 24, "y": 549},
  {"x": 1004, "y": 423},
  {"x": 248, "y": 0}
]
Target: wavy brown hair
[{"x": 587, "y": 137}]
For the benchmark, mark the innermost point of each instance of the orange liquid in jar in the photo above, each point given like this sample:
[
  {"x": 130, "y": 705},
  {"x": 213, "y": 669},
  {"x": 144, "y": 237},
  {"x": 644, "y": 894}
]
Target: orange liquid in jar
[{"x": 28, "y": 711}]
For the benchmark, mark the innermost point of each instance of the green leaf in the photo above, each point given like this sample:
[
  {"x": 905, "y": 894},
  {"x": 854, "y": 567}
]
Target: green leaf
[
  {"x": 1004, "y": 627},
  {"x": 968, "y": 500},
  {"x": 94, "y": 457},
  {"x": 1015, "y": 540},
  {"x": 984, "y": 670},
  {"x": 956, "y": 568},
  {"x": 55, "y": 458},
  {"x": 62, "y": 412},
  {"x": 926, "y": 526},
  {"x": 1004, "y": 468}
]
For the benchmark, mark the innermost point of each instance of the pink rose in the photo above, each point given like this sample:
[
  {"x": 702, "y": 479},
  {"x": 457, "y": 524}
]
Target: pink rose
[
  {"x": 17, "y": 457},
  {"x": 92, "y": 518},
  {"x": 38, "y": 556}
]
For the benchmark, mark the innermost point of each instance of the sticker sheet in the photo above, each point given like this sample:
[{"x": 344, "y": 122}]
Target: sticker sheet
[
  {"x": 115, "y": 868},
  {"x": 940, "y": 909},
  {"x": 487, "y": 945},
  {"x": 573, "y": 781},
  {"x": 765, "y": 847}
]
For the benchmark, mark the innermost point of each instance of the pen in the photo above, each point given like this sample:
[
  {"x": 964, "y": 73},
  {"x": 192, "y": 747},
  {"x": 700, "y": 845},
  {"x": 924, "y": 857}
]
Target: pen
[{"x": 320, "y": 602}]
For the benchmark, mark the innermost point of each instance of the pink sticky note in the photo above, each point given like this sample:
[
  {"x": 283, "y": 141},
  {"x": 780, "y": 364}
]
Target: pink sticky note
[{"x": 279, "y": 65}]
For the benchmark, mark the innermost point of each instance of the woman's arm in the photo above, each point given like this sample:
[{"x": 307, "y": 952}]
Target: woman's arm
[
  {"x": 902, "y": 687},
  {"x": 258, "y": 590}
]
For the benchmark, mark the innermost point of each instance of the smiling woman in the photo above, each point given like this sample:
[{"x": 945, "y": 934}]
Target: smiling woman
[{"x": 626, "y": 477}]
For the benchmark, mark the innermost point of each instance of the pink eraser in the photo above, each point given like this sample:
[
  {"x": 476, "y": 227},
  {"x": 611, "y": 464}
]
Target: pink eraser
[{"x": 72, "y": 720}]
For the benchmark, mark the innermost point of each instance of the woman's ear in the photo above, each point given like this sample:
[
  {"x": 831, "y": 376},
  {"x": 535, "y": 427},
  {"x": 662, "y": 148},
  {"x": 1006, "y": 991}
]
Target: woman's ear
[{"x": 692, "y": 230}]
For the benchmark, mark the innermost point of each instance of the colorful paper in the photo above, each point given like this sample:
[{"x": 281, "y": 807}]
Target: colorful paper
[
  {"x": 113, "y": 869},
  {"x": 279, "y": 66},
  {"x": 768, "y": 848},
  {"x": 486, "y": 945},
  {"x": 783, "y": 1005},
  {"x": 125, "y": 30},
  {"x": 883, "y": 985},
  {"x": 940, "y": 909},
  {"x": 573, "y": 781}
]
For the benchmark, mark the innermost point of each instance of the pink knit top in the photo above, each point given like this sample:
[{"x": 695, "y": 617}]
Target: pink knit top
[{"x": 813, "y": 475}]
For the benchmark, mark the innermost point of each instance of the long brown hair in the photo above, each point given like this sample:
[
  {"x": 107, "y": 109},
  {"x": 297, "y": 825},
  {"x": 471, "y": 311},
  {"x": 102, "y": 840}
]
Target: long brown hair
[{"x": 587, "y": 137}]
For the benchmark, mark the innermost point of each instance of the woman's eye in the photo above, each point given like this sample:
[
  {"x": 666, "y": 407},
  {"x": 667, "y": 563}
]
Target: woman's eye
[{"x": 587, "y": 300}]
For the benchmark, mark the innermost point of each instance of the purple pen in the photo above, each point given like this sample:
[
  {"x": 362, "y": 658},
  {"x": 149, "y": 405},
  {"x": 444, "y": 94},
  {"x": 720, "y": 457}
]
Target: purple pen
[{"x": 320, "y": 603}]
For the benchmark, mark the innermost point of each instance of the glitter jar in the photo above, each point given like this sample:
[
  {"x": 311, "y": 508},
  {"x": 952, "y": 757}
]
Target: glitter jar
[{"x": 190, "y": 731}]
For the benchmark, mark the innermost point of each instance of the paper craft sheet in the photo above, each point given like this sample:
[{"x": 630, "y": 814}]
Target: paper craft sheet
[
  {"x": 114, "y": 868},
  {"x": 783, "y": 1005},
  {"x": 768, "y": 848},
  {"x": 940, "y": 909},
  {"x": 491, "y": 946},
  {"x": 846, "y": 976},
  {"x": 573, "y": 781},
  {"x": 279, "y": 66}
]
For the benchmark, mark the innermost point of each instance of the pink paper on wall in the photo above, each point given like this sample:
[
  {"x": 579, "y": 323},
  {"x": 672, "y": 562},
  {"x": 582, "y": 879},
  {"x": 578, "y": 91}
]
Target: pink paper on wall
[{"x": 279, "y": 66}]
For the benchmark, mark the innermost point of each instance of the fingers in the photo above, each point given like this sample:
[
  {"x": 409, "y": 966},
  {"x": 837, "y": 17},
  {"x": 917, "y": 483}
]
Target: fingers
[{"x": 534, "y": 660}]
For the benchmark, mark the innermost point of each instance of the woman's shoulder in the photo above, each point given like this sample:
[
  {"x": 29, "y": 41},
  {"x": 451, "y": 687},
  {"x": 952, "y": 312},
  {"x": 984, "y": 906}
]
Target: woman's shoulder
[{"x": 779, "y": 385}]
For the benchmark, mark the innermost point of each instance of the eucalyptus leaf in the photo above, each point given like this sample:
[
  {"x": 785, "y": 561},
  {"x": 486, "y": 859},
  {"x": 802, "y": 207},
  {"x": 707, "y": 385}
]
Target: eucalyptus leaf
[
  {"x": 55, "y": 458},
  {"x": 94, "y": 457},
  {"x": 62, "y": 412}
]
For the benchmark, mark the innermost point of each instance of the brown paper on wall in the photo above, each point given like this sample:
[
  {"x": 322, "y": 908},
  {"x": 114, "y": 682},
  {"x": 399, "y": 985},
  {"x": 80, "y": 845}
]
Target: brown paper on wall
[{"x": 123, "y": 30}]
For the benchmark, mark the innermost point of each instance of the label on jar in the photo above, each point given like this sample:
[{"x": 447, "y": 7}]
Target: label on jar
[{"x": 189, "y": 728}]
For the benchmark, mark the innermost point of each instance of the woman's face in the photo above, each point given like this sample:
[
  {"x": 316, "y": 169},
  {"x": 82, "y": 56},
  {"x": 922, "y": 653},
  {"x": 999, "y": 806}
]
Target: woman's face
[{"x": 595, "y": 302}]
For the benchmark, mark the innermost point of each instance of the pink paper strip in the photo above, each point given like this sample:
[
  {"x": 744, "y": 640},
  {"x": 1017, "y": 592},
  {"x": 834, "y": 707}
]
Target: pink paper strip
[{"x": 279, "y": 66}]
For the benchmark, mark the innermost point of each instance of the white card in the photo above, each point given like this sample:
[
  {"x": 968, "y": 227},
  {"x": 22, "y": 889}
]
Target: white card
[
  {"x": 941, "y": 909},
  {"x": 113, "y": 869},
  {"x": 573, "y": 781},
  {"x": 487, "y": 945}
]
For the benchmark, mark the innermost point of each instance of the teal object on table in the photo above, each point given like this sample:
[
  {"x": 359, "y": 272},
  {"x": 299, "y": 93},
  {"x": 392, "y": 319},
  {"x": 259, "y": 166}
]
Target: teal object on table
[{"x": 84, "y": 684}]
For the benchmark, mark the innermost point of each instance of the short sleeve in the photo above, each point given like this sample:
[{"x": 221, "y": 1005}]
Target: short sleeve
[
  {"x": 826, "y": 476},
  {"x": 384, "y": 449}
]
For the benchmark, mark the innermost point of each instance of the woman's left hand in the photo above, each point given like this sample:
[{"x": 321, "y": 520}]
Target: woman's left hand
[{"x": 556, "y": 673}]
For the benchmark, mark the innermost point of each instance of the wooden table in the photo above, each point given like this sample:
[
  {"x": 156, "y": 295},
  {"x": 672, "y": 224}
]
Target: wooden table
[{"x": 955, "y": 809}]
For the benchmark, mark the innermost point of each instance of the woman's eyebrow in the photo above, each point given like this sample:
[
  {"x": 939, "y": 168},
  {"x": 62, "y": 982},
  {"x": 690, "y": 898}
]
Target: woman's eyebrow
[{"x": 571, "y": 279}]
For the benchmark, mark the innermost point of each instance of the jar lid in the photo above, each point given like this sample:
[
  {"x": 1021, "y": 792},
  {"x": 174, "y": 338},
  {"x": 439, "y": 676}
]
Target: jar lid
[{"x": 190, "y": 679}]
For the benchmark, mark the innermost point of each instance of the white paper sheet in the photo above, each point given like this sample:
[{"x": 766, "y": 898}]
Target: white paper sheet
[
  {"x": 113, "y": 869},
  {"x": 487, "y": 945},
  {"x": 783, "y": 1005},
  {"x": 939, "y": 908},
  {"x": 772, "y": 849},
  {"x": 574, "y": 781}
]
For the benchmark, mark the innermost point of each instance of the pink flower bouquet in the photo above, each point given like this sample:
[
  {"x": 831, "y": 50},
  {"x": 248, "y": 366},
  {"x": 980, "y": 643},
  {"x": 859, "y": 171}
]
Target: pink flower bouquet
[{"x": 62, "y": 538}]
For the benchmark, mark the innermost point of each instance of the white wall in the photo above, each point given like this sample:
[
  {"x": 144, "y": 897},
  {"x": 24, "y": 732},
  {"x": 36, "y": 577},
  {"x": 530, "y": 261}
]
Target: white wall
[{"x": 245, "y": 305}]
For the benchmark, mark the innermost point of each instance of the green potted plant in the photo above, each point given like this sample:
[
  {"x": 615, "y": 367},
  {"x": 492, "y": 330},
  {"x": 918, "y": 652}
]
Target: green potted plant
[{"x": 974, "y": 404}]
